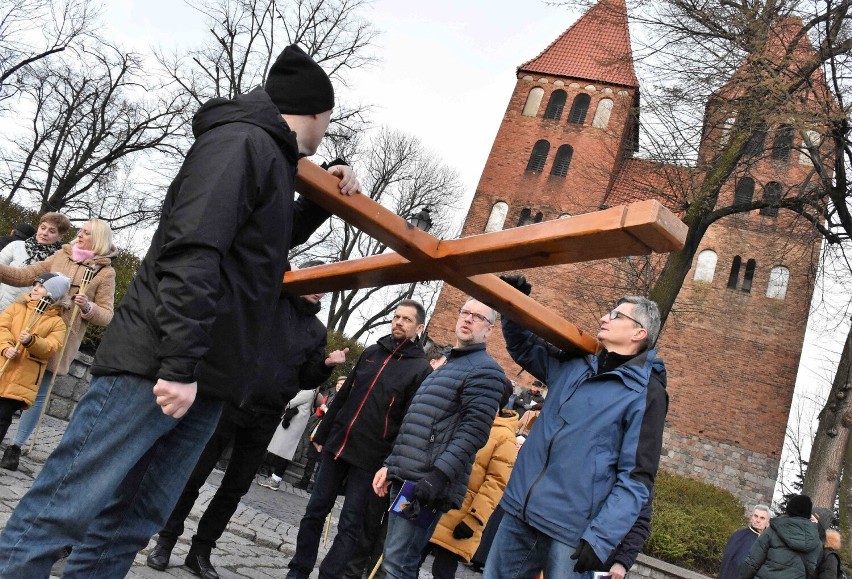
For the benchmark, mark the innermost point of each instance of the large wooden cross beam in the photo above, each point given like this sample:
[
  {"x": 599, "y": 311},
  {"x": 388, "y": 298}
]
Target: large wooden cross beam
[{"x": 468, "y": 263}]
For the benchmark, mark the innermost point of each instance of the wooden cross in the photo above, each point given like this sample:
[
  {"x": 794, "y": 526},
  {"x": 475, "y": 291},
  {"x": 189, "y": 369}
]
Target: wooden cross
[{"x": 468, "y": 263}]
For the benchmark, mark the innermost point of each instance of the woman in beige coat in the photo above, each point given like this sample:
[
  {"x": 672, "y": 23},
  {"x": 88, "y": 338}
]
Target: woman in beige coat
[
  {"x": 459, "y": 531},
  {"x": 93, "y": 248}
]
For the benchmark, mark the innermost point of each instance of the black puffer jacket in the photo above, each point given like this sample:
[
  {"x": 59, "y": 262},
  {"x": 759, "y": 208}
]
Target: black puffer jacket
[
  {"x": 297, "y": 361},
  {"x": 788, "y": 549},
  {"x": 363, "y": 420},
  {"x": 199, "y": 306},
  {"x": 449, "y": 421}
]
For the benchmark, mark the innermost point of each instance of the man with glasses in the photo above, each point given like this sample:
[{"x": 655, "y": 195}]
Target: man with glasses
[
  {"x": 356, "y": 434},
  {"x": 588, "y": 465},
  {"x": 448, "y": 422}
]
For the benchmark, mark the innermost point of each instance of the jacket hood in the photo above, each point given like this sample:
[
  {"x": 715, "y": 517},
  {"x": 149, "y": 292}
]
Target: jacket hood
[
  {"x": 408, "y": 350},
  {"x": 507, "y": 419},
  {"x": 797, "y": 533},
  {"x": 254, "y": 108}
]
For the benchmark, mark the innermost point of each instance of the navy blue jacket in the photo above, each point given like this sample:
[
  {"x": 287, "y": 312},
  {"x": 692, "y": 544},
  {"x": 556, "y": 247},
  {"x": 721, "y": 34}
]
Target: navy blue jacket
[
  {"x": 736, "y": 551},
  {"x": 448, "y": 421},
  {"x": 589, "y": 463}
]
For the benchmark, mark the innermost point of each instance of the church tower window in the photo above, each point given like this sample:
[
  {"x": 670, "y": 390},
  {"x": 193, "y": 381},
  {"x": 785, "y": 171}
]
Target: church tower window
[
  {"x": 579, "y": 109},
  {"x": 562, "y": 161},
  {"x": 602, "y": 114},
  {"x": 705, "y": 266},
  {"x": 533, "y": 102},
  {"x": 538, "y": 156},
  {"x": 744, "y": 192},
  {"x": 556, "y": 105},
  {"x": 771, "y": 194},
  {"x": 497, "y": 218}
]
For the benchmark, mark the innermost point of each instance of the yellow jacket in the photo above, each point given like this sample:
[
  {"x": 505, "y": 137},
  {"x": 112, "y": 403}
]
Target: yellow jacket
[
  {"x": 21, "y": 379},
  {"x": 488, "y": 479}
]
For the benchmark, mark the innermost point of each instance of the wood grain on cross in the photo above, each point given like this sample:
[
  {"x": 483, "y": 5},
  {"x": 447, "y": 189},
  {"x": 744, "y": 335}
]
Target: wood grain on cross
[{"x": 468, "y": 263}]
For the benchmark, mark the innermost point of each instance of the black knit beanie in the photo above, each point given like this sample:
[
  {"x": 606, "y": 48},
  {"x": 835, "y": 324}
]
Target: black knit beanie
[
  {"x": 799, "y": 506},
  {"x": 298, "y": 85}
]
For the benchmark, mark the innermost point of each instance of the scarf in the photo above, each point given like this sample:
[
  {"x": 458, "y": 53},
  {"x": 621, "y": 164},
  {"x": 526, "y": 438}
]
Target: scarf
[
  {"x": 80, "y": 255},
  {"x": 39, "y": 251}
]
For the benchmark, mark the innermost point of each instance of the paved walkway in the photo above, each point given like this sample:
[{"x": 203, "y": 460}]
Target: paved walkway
[{"x": 259, "y": 540}]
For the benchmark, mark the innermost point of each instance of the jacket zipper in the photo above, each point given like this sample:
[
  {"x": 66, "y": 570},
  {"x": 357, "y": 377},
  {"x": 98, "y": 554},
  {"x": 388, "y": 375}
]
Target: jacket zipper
[
  {"x": 364, "y": 400},
  {"x": 387, "y": 416}
]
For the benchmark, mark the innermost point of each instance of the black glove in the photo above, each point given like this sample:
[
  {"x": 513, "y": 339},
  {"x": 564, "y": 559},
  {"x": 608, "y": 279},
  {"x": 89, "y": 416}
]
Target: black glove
[
  {"x": 288, "y": 416},
  {"x": 586, "y": 558},
  {"x": 462, "y": 531},
  {"x": 430, "y": 488},
  {"x": 519, "y": 282}
]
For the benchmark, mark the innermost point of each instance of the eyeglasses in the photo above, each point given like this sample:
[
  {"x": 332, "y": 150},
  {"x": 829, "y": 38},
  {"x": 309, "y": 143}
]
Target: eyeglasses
[
  {"x": 615, "y": 314},
  {"x": 463, "y": 313}
]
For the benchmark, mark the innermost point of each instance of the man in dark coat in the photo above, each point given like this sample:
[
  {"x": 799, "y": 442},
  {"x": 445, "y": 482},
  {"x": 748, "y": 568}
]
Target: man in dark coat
[
  {"x": 21, "y": 232},
  {"x": 789, "y": 548},
  {"x": 303, "y": 364},
  {"x": 448, "y": 422},
  {"x": 356, "y": 435},
  {"x": 740, "y": 542},
  {"x": 191, "y": 333},
  {"x": 605, "y": 412}
]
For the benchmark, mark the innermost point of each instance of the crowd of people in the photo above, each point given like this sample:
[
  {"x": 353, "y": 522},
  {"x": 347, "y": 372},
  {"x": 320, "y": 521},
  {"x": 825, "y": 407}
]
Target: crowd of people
[{"x": 434, "y": 452}]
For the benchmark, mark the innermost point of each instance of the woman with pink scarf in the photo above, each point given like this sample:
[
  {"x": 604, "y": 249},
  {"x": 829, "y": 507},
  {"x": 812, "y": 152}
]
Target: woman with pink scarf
[{"x": 93, "y": 249}]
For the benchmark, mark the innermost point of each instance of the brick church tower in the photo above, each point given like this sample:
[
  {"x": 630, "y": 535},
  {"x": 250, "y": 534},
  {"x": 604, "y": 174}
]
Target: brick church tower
[{"x": 733, "y": 341}]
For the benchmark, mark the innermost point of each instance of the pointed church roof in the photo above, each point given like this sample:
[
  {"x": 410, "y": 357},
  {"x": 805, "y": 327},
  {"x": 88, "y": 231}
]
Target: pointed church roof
[{"x": 596, "y": 48}]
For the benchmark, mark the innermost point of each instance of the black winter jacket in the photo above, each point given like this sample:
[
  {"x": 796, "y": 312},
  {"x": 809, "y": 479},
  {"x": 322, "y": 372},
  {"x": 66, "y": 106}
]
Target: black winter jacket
[
  {"x": 448, "y": 422},
  {"x": 362, "y": 422},
  {"x": 199, "y": 306},
  {"x": 297, "y": 361}
]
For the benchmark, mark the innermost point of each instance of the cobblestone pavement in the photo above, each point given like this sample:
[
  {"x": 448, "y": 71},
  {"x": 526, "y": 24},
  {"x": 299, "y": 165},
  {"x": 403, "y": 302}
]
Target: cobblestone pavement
[{"x": 259, "y": 540}]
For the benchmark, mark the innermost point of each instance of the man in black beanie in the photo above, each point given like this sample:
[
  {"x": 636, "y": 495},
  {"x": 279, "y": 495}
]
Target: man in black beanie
[
  {"x": 789, "y": 548},
  {"x": 21, "y": 232},
  {"x": 191, "y": 333}
]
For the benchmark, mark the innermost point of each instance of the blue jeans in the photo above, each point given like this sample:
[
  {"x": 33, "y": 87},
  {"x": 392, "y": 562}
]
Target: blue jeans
[
  {"x": 29, "y": 417},
  {"x": 519, "y": 552},
  {"x": 110, "y": 484},
  {"x": 404, "y": 543}
]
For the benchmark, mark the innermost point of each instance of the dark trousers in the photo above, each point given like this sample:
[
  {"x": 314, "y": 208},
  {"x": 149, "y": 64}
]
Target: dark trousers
[
  {"x": 488, "y": 534},
  {"x": 8, "y": 407},
  {"x": 250, "y": 434},
  {"x": 311, "y": 458},
  {"x": 444, "y": 564},
  {"x": 359, "y": 486},
  {"x": 372, "y": 541}
]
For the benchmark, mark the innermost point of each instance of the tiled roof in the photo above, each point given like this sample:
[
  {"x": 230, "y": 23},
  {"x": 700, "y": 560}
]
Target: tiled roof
[{"x": 595, "y": 48}]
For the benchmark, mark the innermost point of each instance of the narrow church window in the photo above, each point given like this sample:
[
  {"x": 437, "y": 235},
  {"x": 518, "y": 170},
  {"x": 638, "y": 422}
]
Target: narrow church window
[
  {"x": 779, "y": 277},
  {"x": 555, "y": 105},
  {"x": 579, "y": 109},
  {"x": 754, "y": 145},
  {"x": 734, "y": 278},
  {"x": 602, "y": 114},
  {"x": 726, "y": 130},
  {"x": 812, "y": 139},
  {"x": 526, "y": 217},
  {"x": 751, "y": 265},
  {"x": 562, "y": 160},
  {"x": 705, "y": 266},
  {"x": 538, "y": 217},
  {"x": 744, "y": 192},
  {"x": 533, "y": 102},
  {"x": 538, "y": 156},
  {"x": 783, "y": 143},
  {"x": 771, "y": 194},
  {"x": 497, "y": 218}
]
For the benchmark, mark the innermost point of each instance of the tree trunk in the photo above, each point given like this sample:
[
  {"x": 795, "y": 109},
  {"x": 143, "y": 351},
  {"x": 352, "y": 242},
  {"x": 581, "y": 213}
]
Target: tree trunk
[{"x": 829, "y": 450}]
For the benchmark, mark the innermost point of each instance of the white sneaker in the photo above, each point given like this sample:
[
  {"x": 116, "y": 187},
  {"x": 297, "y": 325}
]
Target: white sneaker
[{"x": 270, "y": 483}]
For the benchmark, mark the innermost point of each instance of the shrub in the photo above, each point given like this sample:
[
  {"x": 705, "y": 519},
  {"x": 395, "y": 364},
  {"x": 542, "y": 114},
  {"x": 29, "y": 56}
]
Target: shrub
[
  {"x": 692, "y": 522},
  {"x": 337, "y": 341}
]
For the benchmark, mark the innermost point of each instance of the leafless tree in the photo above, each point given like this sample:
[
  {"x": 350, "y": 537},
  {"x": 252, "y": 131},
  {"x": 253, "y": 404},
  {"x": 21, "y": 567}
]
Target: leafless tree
[
  {"x": 398, "y": 172},
  {"x": 86, "y": 127}
]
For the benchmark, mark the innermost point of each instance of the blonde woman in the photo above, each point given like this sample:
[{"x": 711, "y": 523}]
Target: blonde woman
[{"x": 92, "y": 248}]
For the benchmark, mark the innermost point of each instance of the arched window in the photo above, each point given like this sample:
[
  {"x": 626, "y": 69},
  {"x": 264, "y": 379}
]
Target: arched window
[
  {"x": 779, "y": 277},
  {"x": 726, "y": 130},
  {"x": 525, "y": 218},
  {"x": 533, "y": 102},
  {"x": 771, "y": 194},
  {"x": 538, "y": 217},
  {"x": 754, "y": 145},
  {"x": 783, "y": 143},
  {"x": 751, "y": 265},
  {"x": 744, "y": 192},
  {"x": 812, "y": 139},
  {"x": 734, "y": 278},
  {"x": 538, "y": 156},
  {"x": 497, "y": 218},
  {"x": 579, "y": 109},
  {"x": 562, "y": 160},
  {"x": 555, "y": 105},
  {"x": 602, "y": 114},
  {"x": 705, "y": 266},
  {"x": 564, "y": 215}
]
